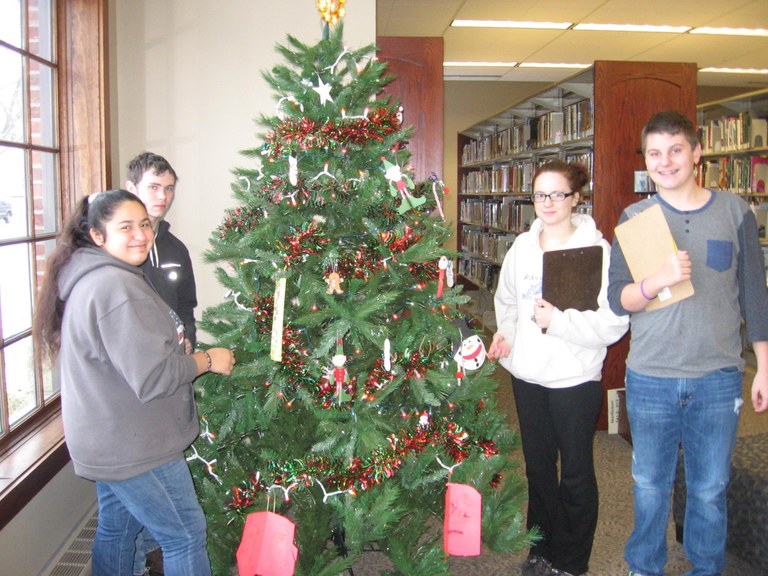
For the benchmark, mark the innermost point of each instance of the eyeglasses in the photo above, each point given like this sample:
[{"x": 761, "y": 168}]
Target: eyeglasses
[{"x": 553, "y": 196}]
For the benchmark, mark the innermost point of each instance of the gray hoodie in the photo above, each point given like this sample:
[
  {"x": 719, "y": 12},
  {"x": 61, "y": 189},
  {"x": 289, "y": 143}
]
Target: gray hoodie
[{"x": 127, "y": 398}]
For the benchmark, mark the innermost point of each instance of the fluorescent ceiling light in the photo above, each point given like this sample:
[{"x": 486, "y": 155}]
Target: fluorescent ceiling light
[
  {"x": 632, "y": 28},
  {"x": 551, "y": 65},
  {"x": 731, "y": 31},
  {"x": 511, "y": 24},
  {"x": 735, "y": 70},
  {"x": 482, "y": 64}
]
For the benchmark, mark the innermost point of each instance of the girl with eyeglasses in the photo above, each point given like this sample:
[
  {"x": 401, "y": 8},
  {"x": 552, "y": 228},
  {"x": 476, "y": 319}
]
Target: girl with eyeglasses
[{"x": 555, "y": 358}]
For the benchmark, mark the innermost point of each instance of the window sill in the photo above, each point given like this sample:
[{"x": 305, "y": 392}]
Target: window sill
[{"x": 28, "y": 466}]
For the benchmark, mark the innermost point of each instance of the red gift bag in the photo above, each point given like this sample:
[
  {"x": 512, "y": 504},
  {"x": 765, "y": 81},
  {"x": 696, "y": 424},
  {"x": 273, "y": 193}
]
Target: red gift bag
[
  {"x": 267, "y": 547},
  {"x": 462, "y": 526}
]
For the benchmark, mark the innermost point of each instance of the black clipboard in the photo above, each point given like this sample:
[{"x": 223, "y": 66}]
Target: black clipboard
[{"x": 572, "y": 278}]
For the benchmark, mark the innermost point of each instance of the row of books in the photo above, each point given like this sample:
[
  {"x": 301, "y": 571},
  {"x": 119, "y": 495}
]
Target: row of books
[
  {"x": 481, "y": 272},
  {"x": 518, "y": 138},
  {"x": 733, "y": 133},
  {"x": 549, "y": 129},
  {"x": 509, "y": 213},
  {"x": 574, "y": 122},
  {"x": 490, "y": 245},
  {"x": 514, "y": 178},
  {"x": 514, "y": 139},
  {"x": 742, "y": 175},
  {"x": 578, "y": 120},
  {"x": 500, "y": 179}
]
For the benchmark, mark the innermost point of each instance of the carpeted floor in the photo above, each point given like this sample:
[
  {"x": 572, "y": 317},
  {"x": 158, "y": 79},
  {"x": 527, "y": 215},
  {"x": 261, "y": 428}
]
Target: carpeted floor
[{"x": 613, "y": 456}]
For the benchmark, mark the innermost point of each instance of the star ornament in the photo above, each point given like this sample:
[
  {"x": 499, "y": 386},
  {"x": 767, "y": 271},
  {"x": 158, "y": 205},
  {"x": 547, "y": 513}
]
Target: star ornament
[{"x": 324, "y": 90}]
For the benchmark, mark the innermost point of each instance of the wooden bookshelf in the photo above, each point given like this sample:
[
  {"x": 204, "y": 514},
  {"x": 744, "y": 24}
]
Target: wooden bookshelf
[{"x": 596, "y": 115}]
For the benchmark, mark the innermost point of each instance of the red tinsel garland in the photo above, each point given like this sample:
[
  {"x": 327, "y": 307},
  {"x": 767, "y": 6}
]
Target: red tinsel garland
[
  {"x": 305, "y": 133},
  {"x": 364, "y": 473}
]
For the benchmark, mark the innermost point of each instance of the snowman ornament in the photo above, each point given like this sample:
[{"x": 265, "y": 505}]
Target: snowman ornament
[{"x": 469, "y": 353}]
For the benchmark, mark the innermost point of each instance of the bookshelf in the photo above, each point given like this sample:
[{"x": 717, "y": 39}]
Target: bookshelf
[
  {"x": 594, "y": 117},
  {"x": 734, "y": 144}
]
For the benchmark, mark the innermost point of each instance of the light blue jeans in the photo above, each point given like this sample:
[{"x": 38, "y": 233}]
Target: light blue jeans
[
  {"x": 144, "y": 545},
  {"x": 703, "y": 414},
  {"x": 164, "y": 501}
]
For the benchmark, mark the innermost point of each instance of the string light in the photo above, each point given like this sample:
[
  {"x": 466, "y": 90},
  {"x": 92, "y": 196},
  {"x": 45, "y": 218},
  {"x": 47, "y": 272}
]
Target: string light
[
  {"x": 207, "y": 433},
  {"x": 333, "y": 66},
  {"x": 208, "y": 465}
]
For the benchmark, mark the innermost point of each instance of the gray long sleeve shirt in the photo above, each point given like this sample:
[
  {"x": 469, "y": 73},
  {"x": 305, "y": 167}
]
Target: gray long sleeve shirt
[{"x": 701, "y": 334}]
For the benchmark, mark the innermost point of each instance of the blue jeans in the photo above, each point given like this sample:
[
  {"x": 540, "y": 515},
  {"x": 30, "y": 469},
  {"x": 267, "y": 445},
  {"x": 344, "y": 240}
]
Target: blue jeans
[
  {"x": 144, "y": 545},
  {"x": 703, "y": 414},
  {"x": 164, "y": 501}
]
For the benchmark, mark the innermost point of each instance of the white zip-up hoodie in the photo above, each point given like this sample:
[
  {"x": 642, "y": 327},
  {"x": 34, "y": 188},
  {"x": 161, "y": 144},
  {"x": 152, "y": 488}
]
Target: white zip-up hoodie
[{"x": 574, "y": 347}]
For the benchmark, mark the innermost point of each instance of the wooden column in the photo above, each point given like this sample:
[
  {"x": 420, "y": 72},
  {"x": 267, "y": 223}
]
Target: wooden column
[{"x": 417, "y": 64}]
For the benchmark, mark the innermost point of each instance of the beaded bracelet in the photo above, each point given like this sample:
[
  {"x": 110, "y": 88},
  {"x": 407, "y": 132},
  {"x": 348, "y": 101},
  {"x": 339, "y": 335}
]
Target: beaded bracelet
[
  {"x": 642, "y": 290},
  {"x": 208, "y": 358}
]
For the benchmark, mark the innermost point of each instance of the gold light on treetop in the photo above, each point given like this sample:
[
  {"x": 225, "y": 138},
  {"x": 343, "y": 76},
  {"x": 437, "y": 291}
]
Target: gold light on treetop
[{"x": 331, "y": 10}]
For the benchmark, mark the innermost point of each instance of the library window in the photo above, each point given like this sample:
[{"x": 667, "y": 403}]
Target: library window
[{"x": 30, "y": 201}]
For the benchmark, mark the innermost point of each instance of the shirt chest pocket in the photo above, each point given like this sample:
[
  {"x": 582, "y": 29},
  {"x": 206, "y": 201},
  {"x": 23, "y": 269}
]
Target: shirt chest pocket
[{"x": 720, "y": 255}]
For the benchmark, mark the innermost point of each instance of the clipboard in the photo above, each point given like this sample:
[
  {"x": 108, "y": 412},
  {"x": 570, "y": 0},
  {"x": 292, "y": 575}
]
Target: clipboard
[
  {"x": 646, "y": 241},
  {"x": 572, "y": 278}
]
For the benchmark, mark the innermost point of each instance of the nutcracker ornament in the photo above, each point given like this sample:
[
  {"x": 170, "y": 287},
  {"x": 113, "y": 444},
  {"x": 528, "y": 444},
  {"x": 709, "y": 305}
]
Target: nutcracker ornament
[{"x": 340, "y": 376}]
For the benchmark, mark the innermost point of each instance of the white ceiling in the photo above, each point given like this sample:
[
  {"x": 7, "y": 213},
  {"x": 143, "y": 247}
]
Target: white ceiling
[{"x": 433, "y": 18}]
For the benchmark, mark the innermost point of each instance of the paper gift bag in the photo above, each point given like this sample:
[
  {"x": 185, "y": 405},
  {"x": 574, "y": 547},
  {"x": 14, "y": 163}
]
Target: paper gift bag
[
  {"x": 267, "y": 547},
  {"x": 462, "y": 526}
]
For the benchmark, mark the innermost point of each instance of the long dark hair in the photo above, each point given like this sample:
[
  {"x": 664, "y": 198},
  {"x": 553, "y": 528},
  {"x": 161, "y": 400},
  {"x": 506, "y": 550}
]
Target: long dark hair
[{"x": 91, "y": 213}]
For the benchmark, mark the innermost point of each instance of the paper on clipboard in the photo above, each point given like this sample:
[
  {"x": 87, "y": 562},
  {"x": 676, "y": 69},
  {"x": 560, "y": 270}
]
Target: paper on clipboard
[{"x": 646, "y": 241}]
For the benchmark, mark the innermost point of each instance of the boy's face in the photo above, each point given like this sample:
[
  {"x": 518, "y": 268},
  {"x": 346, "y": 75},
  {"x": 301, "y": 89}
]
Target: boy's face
[
  {"x": 670, "y": 160},
  {"x": 157, "y": 191}
]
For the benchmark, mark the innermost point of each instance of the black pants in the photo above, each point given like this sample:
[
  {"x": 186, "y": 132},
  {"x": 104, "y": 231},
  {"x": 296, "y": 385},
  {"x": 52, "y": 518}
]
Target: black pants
[{"x": 560, "y": 422}]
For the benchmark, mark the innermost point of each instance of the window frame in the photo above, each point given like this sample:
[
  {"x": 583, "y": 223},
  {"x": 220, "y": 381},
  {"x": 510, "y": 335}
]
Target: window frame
[{"x": 34, "y": 452}]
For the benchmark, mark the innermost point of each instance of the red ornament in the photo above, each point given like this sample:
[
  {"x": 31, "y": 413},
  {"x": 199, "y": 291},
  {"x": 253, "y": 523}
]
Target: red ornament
[
  {"x": 462, "y": 525},
  {"x": 267, "y": 547}
]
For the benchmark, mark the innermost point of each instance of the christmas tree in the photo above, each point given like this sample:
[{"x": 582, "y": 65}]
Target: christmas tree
[{"x": 352, "y": 404}]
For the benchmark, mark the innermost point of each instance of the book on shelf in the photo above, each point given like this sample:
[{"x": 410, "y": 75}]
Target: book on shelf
[
  {"x": 761, "y": 217},
  {"x": 577, "y": 120},
  {"x": 481, "y": 272},
  {"x": 614, "y": 410},
  {"x": 759, "y": 173},
  {"x": 526, "y": 215},
  {"x": 646, "y": 242},
  {"x": 758, "y": 133},
  {"x": 503, "y": 244},
  {"x": 549, "y": 128},
  {"x": 522, "y": 136},
  {"x": 714, "y": 173}
]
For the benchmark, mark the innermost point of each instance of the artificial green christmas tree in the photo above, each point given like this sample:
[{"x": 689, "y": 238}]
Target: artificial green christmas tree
[{"x": 351, "y": 399}]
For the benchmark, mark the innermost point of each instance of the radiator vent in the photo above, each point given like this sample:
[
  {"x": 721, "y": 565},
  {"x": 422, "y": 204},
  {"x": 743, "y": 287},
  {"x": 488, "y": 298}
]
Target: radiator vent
[{"x": 76, "y": 561}]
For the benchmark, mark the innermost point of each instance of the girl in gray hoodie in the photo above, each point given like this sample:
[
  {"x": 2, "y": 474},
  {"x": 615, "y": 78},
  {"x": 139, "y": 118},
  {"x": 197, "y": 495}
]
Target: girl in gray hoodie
[{"x": 126, "y": 385}]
